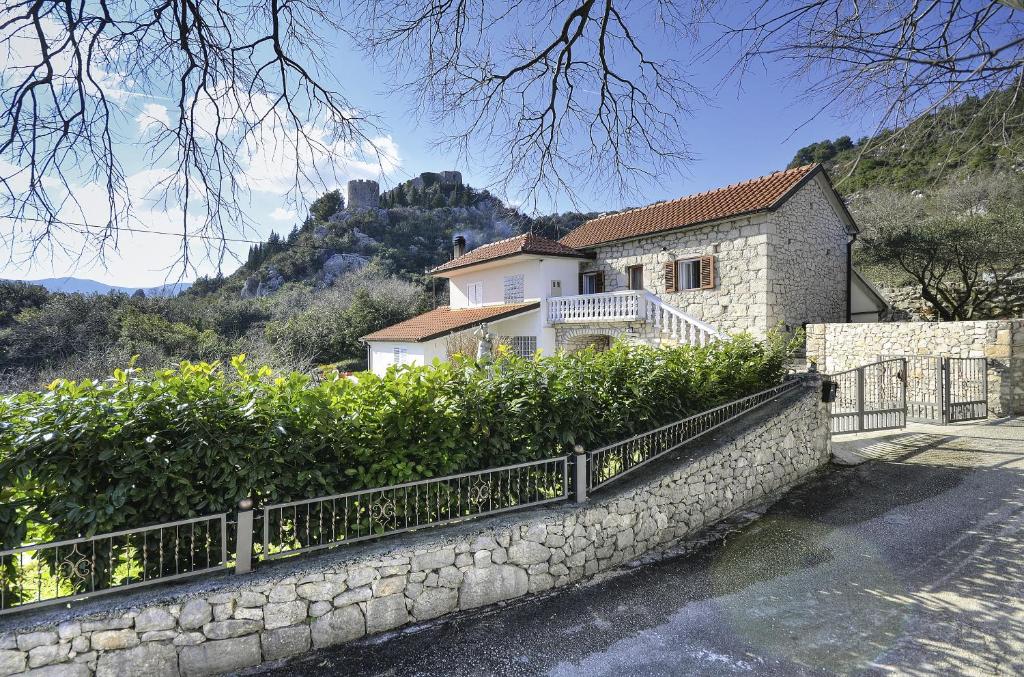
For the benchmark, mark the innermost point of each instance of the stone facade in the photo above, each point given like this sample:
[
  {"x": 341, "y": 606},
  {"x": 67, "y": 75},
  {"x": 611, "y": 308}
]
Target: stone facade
[
  {"x": 349, "y": 593},
  {"x": 362, "y": 194},
  {"x": 807, "y": 266},
  {"x": 836, "y": 347},
  {"x": 786, "y": 267}
]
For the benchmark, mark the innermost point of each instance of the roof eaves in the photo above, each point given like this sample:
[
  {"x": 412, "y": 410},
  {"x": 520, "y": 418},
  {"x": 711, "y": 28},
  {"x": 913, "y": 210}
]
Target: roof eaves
[
  {"x": 493, "y": 318},
  {"x": 439, "y": 269},
  {"x": 688, "y": 226}
]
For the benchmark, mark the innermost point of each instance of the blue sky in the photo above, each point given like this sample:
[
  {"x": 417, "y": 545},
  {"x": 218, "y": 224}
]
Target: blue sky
[{"x": 742, "y": 133}]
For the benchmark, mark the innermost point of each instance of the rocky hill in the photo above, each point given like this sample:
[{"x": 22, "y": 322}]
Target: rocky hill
[
  {"x": 978, "y": 135},
  {"x": 407, "y": 233}
]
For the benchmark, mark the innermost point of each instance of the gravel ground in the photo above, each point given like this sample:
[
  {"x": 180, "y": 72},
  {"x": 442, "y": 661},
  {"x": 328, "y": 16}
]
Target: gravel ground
[{"x": 910, "y": 563}]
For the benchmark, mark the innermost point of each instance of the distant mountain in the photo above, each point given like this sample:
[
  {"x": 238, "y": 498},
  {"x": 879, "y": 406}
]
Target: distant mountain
[{"x": 82, "y": 286}]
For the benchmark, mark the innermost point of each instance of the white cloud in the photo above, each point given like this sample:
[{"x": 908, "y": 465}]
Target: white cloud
[
  {"x": 282, "y": 214},
  {"x": 152, "y": 115}
]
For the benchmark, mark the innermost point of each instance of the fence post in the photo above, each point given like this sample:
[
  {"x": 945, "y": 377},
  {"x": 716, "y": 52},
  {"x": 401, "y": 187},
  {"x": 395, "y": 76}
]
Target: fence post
[
  {"x": 581, "y": 474},
  {"x": 243, "y": 544}
]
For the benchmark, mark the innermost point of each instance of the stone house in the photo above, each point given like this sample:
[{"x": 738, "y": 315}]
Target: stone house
[{"x": 771, "y": 252}]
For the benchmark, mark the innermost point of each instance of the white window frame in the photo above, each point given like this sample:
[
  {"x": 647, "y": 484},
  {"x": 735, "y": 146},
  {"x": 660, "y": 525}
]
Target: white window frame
[
  {"x": 683, "y": 265},
  {"x": 523, "y": 346},
  {"x": 589, "y": 283},
  {"x": 516, "y": 284},
  {"x": 399, "y": 355},
  {"x": 475, "y": 293}
]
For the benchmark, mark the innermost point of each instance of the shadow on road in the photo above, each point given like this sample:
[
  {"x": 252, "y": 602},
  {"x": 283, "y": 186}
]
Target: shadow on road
[{"x": 911, "y": 563}]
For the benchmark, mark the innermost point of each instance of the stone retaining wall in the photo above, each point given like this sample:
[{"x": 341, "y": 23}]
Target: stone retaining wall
[
  {"x": 284, "y": 609},
  {"x": 836, "y": 347}
]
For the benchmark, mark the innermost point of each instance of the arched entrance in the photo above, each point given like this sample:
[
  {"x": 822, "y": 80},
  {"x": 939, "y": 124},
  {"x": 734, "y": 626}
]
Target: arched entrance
[{"x": 581, "y": 338}]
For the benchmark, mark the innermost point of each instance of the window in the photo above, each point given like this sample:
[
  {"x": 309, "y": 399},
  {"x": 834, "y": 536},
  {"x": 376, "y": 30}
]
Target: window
[
  {"x": 635, "y": 277},
  {"x": 592, "y": 283},
  {"x": 400, "y": 356},
  {"x": 523, "y": 346},
  {"x": 689, "y": 274},
  {"x": 475, "y": 293},
  {"x": 514, "y": 285}
]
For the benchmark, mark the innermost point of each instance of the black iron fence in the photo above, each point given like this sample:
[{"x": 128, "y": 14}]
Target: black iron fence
[{"x": 60, "y": 571}]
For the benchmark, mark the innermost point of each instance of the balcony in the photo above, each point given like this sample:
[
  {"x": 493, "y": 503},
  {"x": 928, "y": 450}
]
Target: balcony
[
  {"x": 617, "y": 306},
  {"x": 630, "y": 306}
]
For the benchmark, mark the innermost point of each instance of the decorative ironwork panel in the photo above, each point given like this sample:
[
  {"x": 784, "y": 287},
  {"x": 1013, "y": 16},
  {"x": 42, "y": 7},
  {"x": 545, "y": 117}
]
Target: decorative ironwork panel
[
  {"x": 612, "y": 462},
  {"x": 299, "y": 526},
  {"x": 870, "y": 397},
  {"x": 966, "y": 388},
  {"x": 55, "y": 572}
]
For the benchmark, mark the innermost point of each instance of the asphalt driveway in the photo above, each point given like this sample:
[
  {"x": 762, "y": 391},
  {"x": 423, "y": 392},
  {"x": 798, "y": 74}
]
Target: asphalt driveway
[{"x": 910, "y": 563}]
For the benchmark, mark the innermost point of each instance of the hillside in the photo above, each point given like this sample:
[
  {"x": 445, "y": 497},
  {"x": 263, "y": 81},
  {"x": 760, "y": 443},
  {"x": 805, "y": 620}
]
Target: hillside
[
  {"x": 299, "y": 300},
  {"x": 955, "y": 141},
  {"x": 407, "y": 235}
]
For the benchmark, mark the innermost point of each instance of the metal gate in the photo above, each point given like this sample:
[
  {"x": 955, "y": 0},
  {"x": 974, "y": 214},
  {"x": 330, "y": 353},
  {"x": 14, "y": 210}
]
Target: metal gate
[
  {"x": 946, "y": 389},
  {"x": 870, "y": 397}
]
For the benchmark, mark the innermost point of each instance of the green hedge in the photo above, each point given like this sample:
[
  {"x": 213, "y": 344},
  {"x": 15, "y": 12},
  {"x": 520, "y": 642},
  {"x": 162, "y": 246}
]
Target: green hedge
[{"x": 90, "y": 457}]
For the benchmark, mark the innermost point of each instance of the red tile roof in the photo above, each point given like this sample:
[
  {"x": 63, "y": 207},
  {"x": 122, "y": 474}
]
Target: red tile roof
[
  {"x": 520, "y": 244},
  {"x": 444, "y": 320},
  {"x": 766, "y": 192}
]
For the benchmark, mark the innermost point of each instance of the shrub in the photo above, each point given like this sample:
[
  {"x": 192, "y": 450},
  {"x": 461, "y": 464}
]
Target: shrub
[{"x": 145, "y": 447}]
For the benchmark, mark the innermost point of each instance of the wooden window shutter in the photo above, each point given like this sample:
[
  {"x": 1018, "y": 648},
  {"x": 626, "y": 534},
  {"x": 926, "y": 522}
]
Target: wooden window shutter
[
  {"x": 670, "y": 277},
  {"x": 599, "y": 282},
  {"x": 707, "y": 272},
  {"x": 580, "y": 290}
]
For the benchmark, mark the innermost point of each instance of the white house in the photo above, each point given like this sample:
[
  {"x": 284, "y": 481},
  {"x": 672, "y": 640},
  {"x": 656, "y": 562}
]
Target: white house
[{"x": 765, "y": 253}]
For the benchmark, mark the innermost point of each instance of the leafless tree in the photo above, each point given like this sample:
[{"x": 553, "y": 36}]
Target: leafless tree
[
  {"x": 556, "y": 95},
  {"x": 236, "y": 76},
  {"x": 899, "y": 62},
  {"x": 551, "y": 95}
]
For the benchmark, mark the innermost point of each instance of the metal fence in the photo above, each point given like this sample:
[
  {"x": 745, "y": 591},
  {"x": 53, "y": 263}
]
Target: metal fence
[
  {"x": 56, "y": 572},
  {"x": 299, "y": 526},
  {"x": 612, "y": 462},
  {"x": 59, "y": 571}
]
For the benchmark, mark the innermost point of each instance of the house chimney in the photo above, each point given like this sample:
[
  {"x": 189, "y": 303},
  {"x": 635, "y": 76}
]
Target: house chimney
[{"x": 458, "y": 246}]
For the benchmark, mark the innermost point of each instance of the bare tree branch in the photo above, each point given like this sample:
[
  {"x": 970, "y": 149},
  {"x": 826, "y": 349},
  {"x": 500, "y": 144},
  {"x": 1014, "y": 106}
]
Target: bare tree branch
[
  {"x": 555, "y": 96},
  {"x": 236, "y": 77}
]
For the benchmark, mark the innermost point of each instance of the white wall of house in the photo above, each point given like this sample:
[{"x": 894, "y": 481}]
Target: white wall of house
[
  {"x": 537, "y": 276},
  {"x": 381, "y": 353},
  {"x": 864, "y": 305},
  {"x": 807, "y": 241}
]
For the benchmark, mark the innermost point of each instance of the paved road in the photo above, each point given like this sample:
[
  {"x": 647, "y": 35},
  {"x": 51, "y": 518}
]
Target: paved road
[{"x": 911, "y": 563}]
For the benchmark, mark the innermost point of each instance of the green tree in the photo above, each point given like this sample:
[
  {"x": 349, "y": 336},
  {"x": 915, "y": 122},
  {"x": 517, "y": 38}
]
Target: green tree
[
  {"x": 962, "y": 245},
  {"x": 18, "y": 296}
]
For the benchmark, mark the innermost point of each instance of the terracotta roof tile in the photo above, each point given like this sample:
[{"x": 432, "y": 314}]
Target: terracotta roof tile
[
  {"x": 444, "y": 320},
  {"x": 520, "y": 244},
  {"x": 754, "y": 195}
]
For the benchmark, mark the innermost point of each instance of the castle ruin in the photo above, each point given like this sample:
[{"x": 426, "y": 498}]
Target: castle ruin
[
  {"x": 365, "y": 193},
  {"x": 362, "y": 194}
]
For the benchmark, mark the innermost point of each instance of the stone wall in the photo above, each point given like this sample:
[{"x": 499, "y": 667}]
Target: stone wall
[
  {"x": 740, "y": 247},
  {"x": 232, "y": 622},
  {"x": 835, "y": 347},
  {"x": 781, "y": 267},
  {"x": 362, "y": 194},
  {"x": 806, "y": 260}
]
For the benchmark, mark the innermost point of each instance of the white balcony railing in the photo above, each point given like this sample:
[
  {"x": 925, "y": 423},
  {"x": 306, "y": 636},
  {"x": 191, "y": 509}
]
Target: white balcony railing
[
  {"x": 630, "y": 306},
  {"x": 617, "y": 306}
]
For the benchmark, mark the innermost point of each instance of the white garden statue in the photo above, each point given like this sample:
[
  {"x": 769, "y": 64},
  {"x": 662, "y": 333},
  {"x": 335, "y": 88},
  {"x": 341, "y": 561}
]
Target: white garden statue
[{"x": 485, "y": 349}]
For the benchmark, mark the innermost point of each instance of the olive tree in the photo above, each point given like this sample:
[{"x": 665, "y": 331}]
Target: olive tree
[{"x": 962, "y": 245}]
